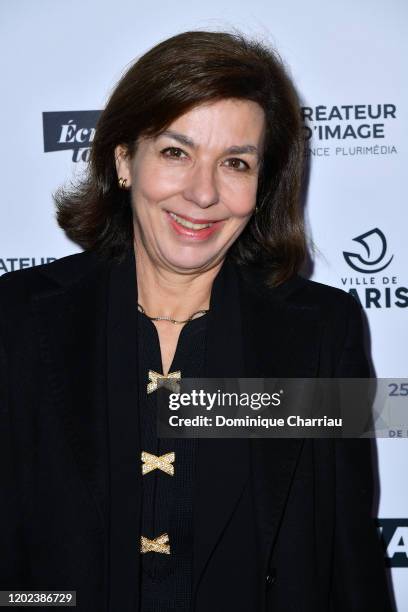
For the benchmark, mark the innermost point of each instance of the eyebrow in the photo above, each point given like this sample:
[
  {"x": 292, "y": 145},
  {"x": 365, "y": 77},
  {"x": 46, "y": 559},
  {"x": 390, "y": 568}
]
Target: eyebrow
[{"x": 234, "y": 150}]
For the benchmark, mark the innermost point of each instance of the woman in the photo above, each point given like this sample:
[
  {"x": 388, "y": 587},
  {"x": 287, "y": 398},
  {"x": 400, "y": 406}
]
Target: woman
[{"x": 192, "y": 231}]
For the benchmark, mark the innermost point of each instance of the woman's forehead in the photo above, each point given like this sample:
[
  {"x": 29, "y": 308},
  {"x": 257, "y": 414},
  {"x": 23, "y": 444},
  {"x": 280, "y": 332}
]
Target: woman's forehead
[{"x": 240, "y": 123}]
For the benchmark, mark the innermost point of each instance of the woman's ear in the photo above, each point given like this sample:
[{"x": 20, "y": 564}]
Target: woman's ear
[{"x": 123, "y": 165}]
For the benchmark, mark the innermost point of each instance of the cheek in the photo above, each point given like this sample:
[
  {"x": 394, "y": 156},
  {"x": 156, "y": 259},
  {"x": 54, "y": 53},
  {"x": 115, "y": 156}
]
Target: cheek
[
  {"x": 241, "y": 200},
  {"x": 154, "y": 182}
]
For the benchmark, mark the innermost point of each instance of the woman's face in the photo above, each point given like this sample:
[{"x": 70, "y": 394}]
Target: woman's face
[{"x": 193, "y": 187}]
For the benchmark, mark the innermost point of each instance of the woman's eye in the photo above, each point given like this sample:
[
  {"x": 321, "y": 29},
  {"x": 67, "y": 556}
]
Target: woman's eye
[
  {"x": 238, "y": 164},
  {"x": 173, "y": 152}
]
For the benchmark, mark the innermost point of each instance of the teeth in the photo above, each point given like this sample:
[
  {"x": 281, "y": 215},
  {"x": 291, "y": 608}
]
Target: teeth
[{"x": 185, "y": 223}]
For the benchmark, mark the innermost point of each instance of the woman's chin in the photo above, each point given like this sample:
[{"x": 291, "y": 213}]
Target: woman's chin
[{"x": 186, "y": 262}]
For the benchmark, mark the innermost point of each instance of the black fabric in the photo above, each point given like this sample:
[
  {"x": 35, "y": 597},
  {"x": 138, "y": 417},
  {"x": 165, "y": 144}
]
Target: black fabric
[
  {"x": 61, "y": 350},
  {"x": 167, "y": 500},
  {"x": 124, "y": 473},
  {"x": 154, "y": 503}
]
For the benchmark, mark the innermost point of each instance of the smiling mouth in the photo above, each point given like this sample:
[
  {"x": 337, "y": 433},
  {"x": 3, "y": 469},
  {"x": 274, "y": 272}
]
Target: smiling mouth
[{"x": 189, "y": 224}]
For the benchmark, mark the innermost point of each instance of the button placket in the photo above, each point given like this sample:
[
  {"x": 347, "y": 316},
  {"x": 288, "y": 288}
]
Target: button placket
[{"x": 151, "y": 462}]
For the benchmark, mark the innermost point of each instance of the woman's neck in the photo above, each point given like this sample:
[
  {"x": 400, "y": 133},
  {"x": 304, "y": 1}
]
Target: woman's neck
[{"x": 168, "y": 293}]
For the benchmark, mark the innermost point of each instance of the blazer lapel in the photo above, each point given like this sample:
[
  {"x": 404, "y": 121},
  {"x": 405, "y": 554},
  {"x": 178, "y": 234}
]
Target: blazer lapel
[
  {"x": 276, "y": 332},
  {"x": 87, "y": 324},
  {"x": 222, "y": 464},
  {"x": 124, "y": 427},
  {"x": 252, "y": 333},
  {"x": 71, "y": 319}
]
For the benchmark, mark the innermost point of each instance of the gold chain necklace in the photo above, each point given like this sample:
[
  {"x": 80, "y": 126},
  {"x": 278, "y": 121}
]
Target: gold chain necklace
[{"x": 199, "y": 312}]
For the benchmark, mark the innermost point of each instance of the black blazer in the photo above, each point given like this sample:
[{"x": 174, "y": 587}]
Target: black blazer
[{"x": 279, "y": 525}]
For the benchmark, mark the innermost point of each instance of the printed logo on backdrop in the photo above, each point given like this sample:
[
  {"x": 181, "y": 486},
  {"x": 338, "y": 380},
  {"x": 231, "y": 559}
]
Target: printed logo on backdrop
[
  {"x": 394, "y": 537},
  {"x": 349, "y": 130},
  {"x": 372, "y": 260},
  {"x": 10, "y": 264},
  {"x": 70, "y": 130},
  {"x": 371, "y": 280}
]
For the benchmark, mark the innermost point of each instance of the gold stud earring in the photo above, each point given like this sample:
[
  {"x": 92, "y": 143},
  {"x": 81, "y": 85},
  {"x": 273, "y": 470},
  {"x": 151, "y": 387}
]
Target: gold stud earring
[
  {"x": 122, "y": 183},
  {"x": 256, "y": 209}
]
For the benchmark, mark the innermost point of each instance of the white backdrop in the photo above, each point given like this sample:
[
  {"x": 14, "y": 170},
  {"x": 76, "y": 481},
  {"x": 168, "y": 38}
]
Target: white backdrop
[{"x": 348, "y": 58}]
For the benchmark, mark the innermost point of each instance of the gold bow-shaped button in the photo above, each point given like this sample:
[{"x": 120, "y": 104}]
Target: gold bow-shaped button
[
  {"x": 153, "y": 462},
  {"x": 170, "y": 381},
  {"x": 159, "y": 544}
]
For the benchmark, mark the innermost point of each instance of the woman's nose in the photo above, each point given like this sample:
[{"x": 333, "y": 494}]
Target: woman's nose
[{"x": 202, "y": 186}]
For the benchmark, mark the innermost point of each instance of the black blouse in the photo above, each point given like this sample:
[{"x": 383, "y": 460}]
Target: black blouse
[{"x": 167, "y": 501}]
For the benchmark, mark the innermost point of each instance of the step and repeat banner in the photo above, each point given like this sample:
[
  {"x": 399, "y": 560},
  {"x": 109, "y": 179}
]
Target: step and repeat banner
[{"x": 348, "y": 60}]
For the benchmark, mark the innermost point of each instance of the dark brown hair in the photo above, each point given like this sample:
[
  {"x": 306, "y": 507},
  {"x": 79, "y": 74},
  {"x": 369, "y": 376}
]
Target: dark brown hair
[{"x": 174, "y": 76}]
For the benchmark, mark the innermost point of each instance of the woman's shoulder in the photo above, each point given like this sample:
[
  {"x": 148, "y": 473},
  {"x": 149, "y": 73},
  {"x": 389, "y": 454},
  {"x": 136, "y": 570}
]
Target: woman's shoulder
[
  {"x": 314, "y": 310},
  {"x": 63, "y": 271},
  {"x": 18, "y": 289},
  {"x": 301, "y": 303},
  {"x": 298, "y": 292}
]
